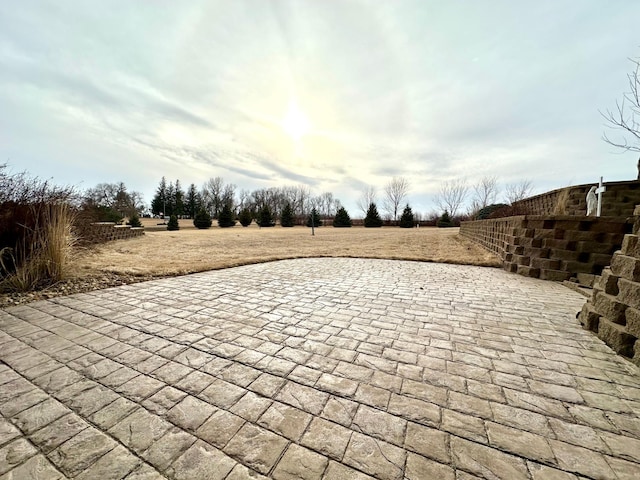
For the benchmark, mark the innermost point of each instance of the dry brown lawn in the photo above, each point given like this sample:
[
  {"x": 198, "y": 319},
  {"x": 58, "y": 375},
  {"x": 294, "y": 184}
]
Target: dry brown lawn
[{"x": 188, "y": 250}]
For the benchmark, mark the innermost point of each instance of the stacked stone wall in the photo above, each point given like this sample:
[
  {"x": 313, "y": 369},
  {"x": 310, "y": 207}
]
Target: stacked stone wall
[
  {"x": 619, "y": 200},
  {"x": 613, "y": 311},
  {"x": 106, "y": 231},
  {"x": 551, "y": 247}
]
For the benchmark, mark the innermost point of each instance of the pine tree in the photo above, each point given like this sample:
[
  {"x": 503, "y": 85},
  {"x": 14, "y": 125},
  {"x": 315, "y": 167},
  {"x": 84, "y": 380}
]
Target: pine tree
[
  {"x": 445, "y": 220},
  {"x": 314, "y": 219},
  {"x": 134, "y": 220},
  {"x": 265, "y": 219},
  {"x": 372, "y": 220},
  {"x": 171, "y": 200},
  {"x": 245, "y": 217},
  {"x": 192, "y": 204},
  {"x": 286, "y": 218},
  {"x": 225, "y": 219},
  {"x": 159, "y": 199},
  {"x": 406, "y": 219},
  {"x": 178, "y": 199},
  {"x": 173, "y": 223},
  {"x": 202, "y": 219},
  {"x": 342, "y": 218}
]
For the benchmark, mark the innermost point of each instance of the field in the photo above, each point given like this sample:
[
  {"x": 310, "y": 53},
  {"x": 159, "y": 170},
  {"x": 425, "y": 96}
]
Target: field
[{"x": 188, "y": 250}]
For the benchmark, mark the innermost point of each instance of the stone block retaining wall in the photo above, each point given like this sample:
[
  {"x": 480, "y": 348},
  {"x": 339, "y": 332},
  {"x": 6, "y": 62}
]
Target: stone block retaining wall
[
  {"x": 619, "y": 200},
  {"x": 613, "y": 311},
  {"x": 106, "y": 231},
  {"x": 551, "y": 247}
]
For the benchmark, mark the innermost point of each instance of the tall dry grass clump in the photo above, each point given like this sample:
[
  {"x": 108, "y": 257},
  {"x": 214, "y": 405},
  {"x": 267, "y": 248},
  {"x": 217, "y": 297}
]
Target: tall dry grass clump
[
  {"x": 560, "y": 208},
  {"x": 43, "y": 255},
  {"x": 36, "y": 232}
]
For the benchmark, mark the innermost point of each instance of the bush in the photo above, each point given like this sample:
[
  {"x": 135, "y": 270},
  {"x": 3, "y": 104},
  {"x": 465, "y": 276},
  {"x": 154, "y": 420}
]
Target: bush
[
  {"x": 372, "y": 220},
  {"x": 286, "y": 219},
  {"x": 134, "y": 221},
  {"x": 202, "y": 219},
  {"x": 42, "y": 257},
  {"x": 406, "y": 219},
  {"x": 486, "y": 212},
  {"x": 173, "y": 223},
  {"x": 225, "y": 219},
  {"x": 445, "y": 220},
  {"x": 314, "y": 219},
  {"x": 265, "y": 219},
  {"x": 245, "y": 217},
  {"x": 342, "y": 218},
  {"x": 37, "y": 231}
]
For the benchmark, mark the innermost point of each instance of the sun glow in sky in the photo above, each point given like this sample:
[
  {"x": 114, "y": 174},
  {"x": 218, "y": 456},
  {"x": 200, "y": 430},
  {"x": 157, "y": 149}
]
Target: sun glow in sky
[{"x": 295, "y": 123}]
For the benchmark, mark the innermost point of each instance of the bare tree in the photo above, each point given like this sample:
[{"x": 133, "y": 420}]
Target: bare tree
[
  {"x": 484, "y": 193},
  {"x": 626, "y": 116},
  {"x": 452, "y": 195},
  {"x": 367, "y": 197},
  {"x": 395, "y": 191},
  {"x": 515, "y": 192}
]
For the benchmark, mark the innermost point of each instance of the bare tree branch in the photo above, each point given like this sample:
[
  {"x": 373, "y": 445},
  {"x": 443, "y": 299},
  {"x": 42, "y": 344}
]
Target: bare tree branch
[
  {"x": 515, "y": 192},
  {"x": 451, "y": 195},
  {"x": 485, "y": 193},
  {"x": 395, "y": 191},
  {"x": 367, "y": 197},
  {"x": 626, "y": 116}
]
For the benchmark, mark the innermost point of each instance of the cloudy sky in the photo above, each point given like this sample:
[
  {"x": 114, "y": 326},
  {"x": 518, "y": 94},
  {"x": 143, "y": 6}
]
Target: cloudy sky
[{"x": 334, "y": 94}]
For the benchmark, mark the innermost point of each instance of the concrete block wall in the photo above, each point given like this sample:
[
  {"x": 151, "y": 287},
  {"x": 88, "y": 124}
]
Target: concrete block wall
[
  {"x": 619, "y": 200},
  {"x": 106, "y": 231},
  {"x": 613, "y": 311},
  {"x": 551, "y": 247}
]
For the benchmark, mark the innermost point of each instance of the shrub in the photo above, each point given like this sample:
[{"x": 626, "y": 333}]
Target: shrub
[
  {"x": 134, "y": 221},
  {"x": 406, "y": 219},
  {"x": 225, "y": 219},
  {"x": 37, "y": 231},
  {"x": 173, "y": 223},
  {"x": 314, "y": 219},
  {"x": 42, "y": 256},
  {"x": 372, "y": 220},
  {"x": 286, "y": 218},
  {"x": 445, "y": 220},
  {"x": 342, "y": 218},
  {"x": 487, "y": 211},
  {"x": 202, "y": 219},
  {"x": 245, "y": 217},
  {"x": 265, "y": 219}
]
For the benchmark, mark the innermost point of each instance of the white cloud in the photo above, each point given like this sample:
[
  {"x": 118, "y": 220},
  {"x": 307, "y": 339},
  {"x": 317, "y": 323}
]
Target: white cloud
[{"x": 94, "y": 92}]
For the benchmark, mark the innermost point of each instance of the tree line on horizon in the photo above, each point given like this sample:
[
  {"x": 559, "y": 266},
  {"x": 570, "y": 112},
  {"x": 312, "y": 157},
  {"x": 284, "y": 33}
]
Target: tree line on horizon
[{"x": 113, "y": 201}]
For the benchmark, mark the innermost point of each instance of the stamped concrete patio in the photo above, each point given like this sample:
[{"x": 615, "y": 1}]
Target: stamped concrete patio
[{"x": 316, "y": 369}]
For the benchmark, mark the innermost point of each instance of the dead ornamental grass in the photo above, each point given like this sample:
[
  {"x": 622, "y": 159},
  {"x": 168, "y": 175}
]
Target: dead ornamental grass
[{"x": 163, "y": 253}]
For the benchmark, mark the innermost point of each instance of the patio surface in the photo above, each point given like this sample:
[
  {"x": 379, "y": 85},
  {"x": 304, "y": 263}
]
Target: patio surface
[{"x": 316, "y": 369}]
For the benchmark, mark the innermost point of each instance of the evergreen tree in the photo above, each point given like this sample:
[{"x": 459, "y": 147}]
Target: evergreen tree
[
  {"x": 406, "y": 219},
  {"x": 445, "y": 220},
  {"x": 372, "y": 220},
  {"x": 286, "y": 218},
  {"x": 159, "y": 199},
  {"x": 342, "y": 218},
  {"x": 134, "y": 220},
  {"x": 314, "y": 219},
  {"x": 202, "y": 219},
  {"x": 265, "y": 219},
  {"x": 192, "y": 204},
  {"x": 173, "y": 223},
  {"x": 178, "y": 200},
  {"x": 245, "y": 217},
  {"x": 171, "y": 200},
  {"x": 225, "y": 219}
]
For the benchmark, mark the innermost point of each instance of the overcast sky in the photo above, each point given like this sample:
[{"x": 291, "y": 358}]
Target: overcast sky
[{"x": 332, "y": 94}]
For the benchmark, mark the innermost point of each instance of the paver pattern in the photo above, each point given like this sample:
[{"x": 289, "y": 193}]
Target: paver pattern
[{"x": 316, "y": 369}]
